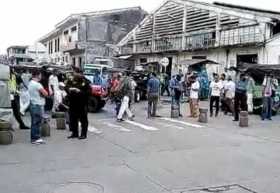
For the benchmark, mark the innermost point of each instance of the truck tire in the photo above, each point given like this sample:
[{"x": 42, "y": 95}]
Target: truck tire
[
  {"x": 4, "y": 126},
  {"x": 93, "y": 105},
  {"x": 101, "y": 104},
  {"x": 6, "y": 137}
]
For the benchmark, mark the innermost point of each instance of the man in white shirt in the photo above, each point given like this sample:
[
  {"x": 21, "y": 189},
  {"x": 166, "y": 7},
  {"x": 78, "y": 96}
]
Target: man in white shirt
[
  {"x": 37, "y": 102},
  {"x": 194, "y": 94},
  {"x": 229, "y": 95},
  {"x": 54, "y": 87},
  {"x": 216, "y": 88}
]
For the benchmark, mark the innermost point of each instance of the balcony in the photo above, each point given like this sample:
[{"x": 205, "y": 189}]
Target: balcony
[
  {"x": 144, "y": 47},
  {"x": 200, "y": 41},
  {"x": 240, "y": 36},
  {"x": 69, "y": 46},
  {"x": 127, "y": 49},
  {"x": 168, "y": 44},
  {"x": 248, "y": 35}
]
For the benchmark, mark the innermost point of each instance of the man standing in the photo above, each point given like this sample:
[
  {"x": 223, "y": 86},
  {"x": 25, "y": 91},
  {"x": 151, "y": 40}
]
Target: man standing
[
  {"x": 15, "y": 98},
  {"x": 37, "y": 102},
  {"x": 216, "y": 87},
  {"x": 240, "y": 99},
  {"x": 78, "y": 91},
  {"x": 125, "y": 90},
  {"x": 53, "y": 88},
  {"x": 267, "y": 98},
  {"x": 229, "y": 95},
  {"x": 165, "y": 84},
  {"x": 153, "y": 90},
  {"x": 194, "y": 97},
  {"x": 176, "y": 91}
]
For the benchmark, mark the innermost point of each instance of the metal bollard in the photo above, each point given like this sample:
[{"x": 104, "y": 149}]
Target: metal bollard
[
  {"x": 45, "y": 129},
  {"x": 6, "y": 136},
  {"x": 174, "y": 110},
  {"x": 60, "y": 124},
  {"x": 203, "y": 115},
  {"x": 244, "y": 119}
]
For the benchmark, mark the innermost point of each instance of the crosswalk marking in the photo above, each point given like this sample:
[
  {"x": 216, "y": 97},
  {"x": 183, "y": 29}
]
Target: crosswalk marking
[
  {"x": 174, "y": 126},
  {"x": 92, "y": 129},
  {"x": 145, "y": 127},
  {"x": 182, "y": 122},
  {"x": 118, "y": 127}
]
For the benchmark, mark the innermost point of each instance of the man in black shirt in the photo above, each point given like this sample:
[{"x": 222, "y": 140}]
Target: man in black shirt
[{"x": 78, "y": 90}]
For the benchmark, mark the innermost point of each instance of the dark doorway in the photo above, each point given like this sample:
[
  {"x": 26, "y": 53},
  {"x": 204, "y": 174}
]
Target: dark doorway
[
  {"x": 248, "y": 58},
  {"x": 169, "y": 67},
  {"x": 74, "y": 61}
]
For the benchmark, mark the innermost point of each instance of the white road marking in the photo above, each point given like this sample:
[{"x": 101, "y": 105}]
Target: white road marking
[
  {"x": 118, "y": 127},
  {"x": 92, "y": 129},
  {"x": 145, "y": 127},
  {"x": 174, "y": 126},
  {"x": 182, "y": 122}
]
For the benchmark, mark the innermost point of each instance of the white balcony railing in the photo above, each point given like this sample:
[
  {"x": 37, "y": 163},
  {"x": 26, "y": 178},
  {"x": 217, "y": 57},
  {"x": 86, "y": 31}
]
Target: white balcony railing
[{"x": 228, "y": 37}]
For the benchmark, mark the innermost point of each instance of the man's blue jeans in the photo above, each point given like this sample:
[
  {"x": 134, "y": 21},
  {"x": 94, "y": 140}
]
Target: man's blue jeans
[
  {"x": 267, "y": 108},
  {"x": 36, "y": 112}
]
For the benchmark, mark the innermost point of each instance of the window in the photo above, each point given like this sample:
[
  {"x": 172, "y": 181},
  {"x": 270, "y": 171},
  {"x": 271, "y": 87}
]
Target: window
[
  {"x": 73, "y": 61},
  {"x": 55, "y": 45},
  {"x": 73, "y": 29},
  {"x": 58, "y": 44},
  {"x": 199, "y": 57},
  {"x": 143, "y": 60},
  {"x": 276, "y": 28},
  {"x": 65, "y": 32},
  {"x": 80, "y": 61}
]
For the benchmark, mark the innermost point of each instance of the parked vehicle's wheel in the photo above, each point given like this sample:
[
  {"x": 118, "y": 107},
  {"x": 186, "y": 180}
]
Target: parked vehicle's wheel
[
  {"x": 101, "y": 104},
  {"x": 4, "y": 125},
  {"x": 93, "y": 104},
  {"x": 6, "y": 137}
]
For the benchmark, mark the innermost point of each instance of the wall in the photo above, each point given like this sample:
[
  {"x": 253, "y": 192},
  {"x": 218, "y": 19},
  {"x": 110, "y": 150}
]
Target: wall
[
  {"x": 271, "y": 52},
  {"x": 98, "y": 35}
]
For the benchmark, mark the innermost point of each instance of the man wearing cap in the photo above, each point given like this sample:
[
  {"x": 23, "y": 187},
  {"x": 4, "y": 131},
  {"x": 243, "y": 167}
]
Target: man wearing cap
[{"x": 78, "y": 91}]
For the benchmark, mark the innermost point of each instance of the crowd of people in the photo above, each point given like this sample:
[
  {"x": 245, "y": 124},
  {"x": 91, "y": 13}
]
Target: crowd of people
[{"x": 49, "y": 93}]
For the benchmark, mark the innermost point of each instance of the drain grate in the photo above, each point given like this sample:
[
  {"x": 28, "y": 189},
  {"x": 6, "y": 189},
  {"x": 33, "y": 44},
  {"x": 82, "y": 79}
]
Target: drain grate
[{"x": 235, "y": 188}]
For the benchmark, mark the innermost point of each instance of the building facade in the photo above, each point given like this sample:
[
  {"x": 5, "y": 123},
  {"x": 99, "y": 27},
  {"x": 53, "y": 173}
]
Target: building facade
[
  {"x": 82, "y": 38},
  {"x": 25, "y": 54},
  {"x": 18, "y": 54},
  {"x": 183, "y": 30}
]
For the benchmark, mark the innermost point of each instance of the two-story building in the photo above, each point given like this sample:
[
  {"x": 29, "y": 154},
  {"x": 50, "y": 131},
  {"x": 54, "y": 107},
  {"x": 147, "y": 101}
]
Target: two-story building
[
  {"x": 18, "y": 54},
  {"x": 82, "y": 38},
  {"x": 186, "y": 30},
  {"x": 24, "y": 54}
]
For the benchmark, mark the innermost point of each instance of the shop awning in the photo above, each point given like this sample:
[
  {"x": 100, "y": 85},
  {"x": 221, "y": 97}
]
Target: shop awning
[
  {"x": 191, "y": 62},
  {"x": 124, "y": 57}
]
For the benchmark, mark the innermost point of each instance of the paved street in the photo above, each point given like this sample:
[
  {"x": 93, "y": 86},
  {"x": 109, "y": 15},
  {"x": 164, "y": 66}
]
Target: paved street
[{"x": 147, "y": 156}]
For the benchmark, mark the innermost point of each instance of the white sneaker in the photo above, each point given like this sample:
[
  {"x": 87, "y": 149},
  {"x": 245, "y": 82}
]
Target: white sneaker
[{"x": 39, "y": 141}]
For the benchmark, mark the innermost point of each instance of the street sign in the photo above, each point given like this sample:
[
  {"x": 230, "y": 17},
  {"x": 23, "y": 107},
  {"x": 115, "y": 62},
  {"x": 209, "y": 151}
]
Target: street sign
[{"x": 164, "y": 62}]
